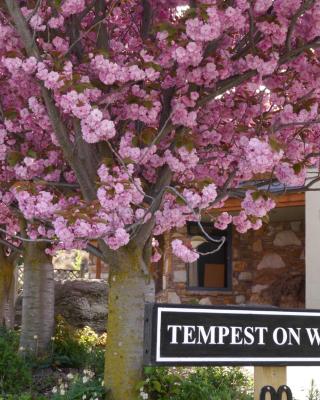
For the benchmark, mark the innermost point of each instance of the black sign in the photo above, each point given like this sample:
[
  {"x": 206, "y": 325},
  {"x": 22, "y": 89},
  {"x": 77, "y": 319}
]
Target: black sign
[{"x": 200, "y": 335}]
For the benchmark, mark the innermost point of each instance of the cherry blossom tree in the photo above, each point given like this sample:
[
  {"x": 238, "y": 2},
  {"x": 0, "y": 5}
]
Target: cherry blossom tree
[{"x": 122, "y": 120}]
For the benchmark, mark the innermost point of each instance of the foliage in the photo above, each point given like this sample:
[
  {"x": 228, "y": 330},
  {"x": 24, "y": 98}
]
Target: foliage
[
  {"x": 15, "y": 374},
  {"x": 195, "y": 383},
  {"x": 80, "y": 349},
  {"x": 77, "y": 348},
  {"x": 78, "y": 260}
]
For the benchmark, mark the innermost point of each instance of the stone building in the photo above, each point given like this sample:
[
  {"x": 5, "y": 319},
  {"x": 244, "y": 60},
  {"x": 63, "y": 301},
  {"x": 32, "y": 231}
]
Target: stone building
[{"x": 260, "y": 267}]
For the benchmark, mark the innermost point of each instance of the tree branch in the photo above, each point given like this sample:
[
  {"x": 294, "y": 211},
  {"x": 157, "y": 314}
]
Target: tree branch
[
  {"x": 146, "y": 19},
  {"x": 24, "y": 239},
  {"x": 90, "y": 248},
  {"x": 305, "y": 5},
  {"x": 144, "y": 230},
  {"x": 102, "y": 34},
  {"x": 86, "y": 183},
  {"x": 11, "y": 246},
  {"x": 73, "y": 30}
]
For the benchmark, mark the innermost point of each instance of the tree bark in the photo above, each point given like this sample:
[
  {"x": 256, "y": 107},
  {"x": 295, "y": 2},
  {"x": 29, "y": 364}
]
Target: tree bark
[
  {"x": 38, "y": 300},
  {"x": 7, "y": 290},
  {"x": 129, "y": 289}
]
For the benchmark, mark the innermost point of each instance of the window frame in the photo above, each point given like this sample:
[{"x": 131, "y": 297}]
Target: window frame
[{"x": 228, "y": 233}]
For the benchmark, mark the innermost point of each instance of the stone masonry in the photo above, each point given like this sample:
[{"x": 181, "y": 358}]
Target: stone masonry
[{"x": 268, "y": 268}]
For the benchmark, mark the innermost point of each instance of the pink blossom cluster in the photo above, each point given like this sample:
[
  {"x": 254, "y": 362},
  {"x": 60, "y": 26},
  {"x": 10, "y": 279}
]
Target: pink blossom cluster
[
  {"x": 223, "y": 220},
  {"x": 40, "y": 205},
  {"x": 287, "y": 175},
  {"x": 31, "y": 167},
  {"x": 288, "y": 116},
  {"x": 111, "y": 72},
  {"x": 75, "y": 103},
  {"x": 36, "y": 23},
  {"x": 203, "y": 75},
  {"x": 191, "y": 55},
  {"x": 187, "y": 160},
  {"x": 243, "y": 223},
  {"x": 257, "y": 207},
  {"x": 204, "y": 31},
  {"x": 261, "y": 6},
  {"x": 259, "y": 155},
  {"x": 170, "y": 215},
  {"x": 263, "y": 67},
  {"x": 119, "y": 198},
  {"x": 233, "y": 18},
  {"x": 95, "y": 128},
  {"x": 201, "y": 200},
  {"x": 56, "y": 22},
  {"x": 182, "y": 251},
  {"x": 181, "y": 115},
  {"x": 70, "y": 7},
  {"x": 148, "y": 115}
]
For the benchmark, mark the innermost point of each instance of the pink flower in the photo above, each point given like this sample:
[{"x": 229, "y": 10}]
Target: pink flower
[
  {"x": 56, "y": 22},
  {"x": 261, "y": 6},
  {"x": 121, "y": 238},
  {"x": 183, "y": 252},
  {"x": 257, "y": 207},
  {"x": 36, "y": 23},
  {"x": 70, "y": 7},
  {"x": 223, "y": 220},
  {"x": 204, "y": 32}
]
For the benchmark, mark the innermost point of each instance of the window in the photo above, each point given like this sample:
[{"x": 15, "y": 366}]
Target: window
[{"x": 210, "y": 271}]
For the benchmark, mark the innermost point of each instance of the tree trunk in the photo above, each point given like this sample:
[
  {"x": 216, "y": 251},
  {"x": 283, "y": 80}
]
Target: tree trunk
[
  {"x": 38, "y": 300},
  {"x": 129, "y": 289},
  {"x": 7, "y": 290}
]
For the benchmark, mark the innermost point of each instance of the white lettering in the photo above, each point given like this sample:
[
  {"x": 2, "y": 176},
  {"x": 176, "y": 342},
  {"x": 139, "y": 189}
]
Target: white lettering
[
  {"x": 205, "y": 336},
  {"x": 188, "y": 333},
  {"x": 174, "y": 333},
  {"x": 284, "y": 336},
  {"x": 235, "y": 333},
  {"x": 314, "y": 335},
  {"x": 248, "y": 333},
  {"x": 261, "y": 330},
  {"x": 223, "y": 332},
  {"x": 294, "y": 333}
]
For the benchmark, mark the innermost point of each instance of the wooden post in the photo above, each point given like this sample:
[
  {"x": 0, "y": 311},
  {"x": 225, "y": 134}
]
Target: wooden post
[
  {"x": 268, "y": 376},
  {"x": 98, "y": 268}
]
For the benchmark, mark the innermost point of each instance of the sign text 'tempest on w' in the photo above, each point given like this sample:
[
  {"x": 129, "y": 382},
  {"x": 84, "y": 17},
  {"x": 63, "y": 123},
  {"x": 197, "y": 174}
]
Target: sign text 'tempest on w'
[{"x": 191, "y": 335}]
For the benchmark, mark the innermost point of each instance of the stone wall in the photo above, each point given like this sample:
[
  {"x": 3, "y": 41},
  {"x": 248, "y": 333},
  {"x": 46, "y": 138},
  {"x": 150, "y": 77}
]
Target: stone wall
[
  {"x": 268, "y": 268},
  {"x": 81, "y": 302}
]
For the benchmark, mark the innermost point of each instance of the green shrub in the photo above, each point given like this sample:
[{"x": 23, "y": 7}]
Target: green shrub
[
  {"x": 195, "y": 383},
  {"x": 15, "y": 373},
  {"x": 78, "y": 348}
]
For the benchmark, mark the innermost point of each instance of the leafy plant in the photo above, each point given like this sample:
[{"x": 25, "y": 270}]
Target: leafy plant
[
  {"x": 15, "y": 373},
  {"x": 78, "y": 348},
  {"x": 195, "y": 383}
]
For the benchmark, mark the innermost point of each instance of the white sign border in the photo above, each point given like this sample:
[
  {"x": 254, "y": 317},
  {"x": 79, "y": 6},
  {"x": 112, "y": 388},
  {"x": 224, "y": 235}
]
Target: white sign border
[{"x": 230, "y": 359}]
